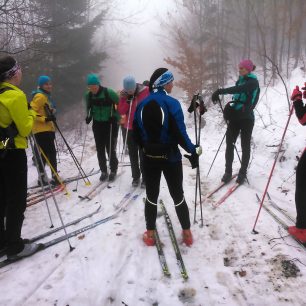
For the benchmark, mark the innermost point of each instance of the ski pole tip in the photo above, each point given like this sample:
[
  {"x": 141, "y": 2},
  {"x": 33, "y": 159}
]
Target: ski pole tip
[{"x": 254, "y": 232}]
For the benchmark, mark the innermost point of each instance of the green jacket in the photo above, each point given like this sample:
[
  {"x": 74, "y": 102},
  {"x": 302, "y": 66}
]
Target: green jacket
[
  {"x": 14, "y": 108},
  {"x": 245, "y": 95},
  {"x": 102, "y": 106}
]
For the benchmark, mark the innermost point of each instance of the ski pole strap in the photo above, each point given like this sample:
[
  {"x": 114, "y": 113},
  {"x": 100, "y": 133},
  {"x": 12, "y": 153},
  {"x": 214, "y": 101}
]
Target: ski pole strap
[
  {"x": 147, "y": 200},
  {"x": 176, "y": 205}
]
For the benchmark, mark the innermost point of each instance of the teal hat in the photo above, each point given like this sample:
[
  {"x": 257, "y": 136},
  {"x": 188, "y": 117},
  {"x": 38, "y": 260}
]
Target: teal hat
[
  {"x": 43, "y": 79},
  {"x": 93, "y": 79}
]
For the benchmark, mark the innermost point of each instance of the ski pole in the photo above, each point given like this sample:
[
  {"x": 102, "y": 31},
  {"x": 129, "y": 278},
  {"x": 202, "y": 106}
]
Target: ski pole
[
  {"x": 53, "y": 197},
  {"x": 83, "y": 149},
  {"x": 198, "y": 170},
  {"x": 82, "y": 172},
  {"x": 216, "y": 155},
  {"x": 53, "y": 170},
  {"x": 110, "y": 138},
  {"x": 197, "y": 175},
  {"x": 271, "y": 173},
  {"x": 32, "y": 138},
  {"x": 57, "y": 151},
  {"x": 127, "y": 130},
  {"x": 193, "y": 107}
]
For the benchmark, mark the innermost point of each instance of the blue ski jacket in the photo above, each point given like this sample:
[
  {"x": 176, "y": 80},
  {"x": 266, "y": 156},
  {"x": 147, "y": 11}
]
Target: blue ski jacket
[{"x": 168, "y": 127}]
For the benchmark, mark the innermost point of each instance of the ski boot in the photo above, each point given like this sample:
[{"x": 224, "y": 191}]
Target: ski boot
[
  {"x": 112, "y": 176},
  {"x": 148, "y": 238},
  {"x": 298, "y": 233},
  {"x": 28, "y": 250},
  {"x": 103, "y": 176},
  {"x": 135, "y": 182},
  {"x": 44, "y": 180},
  {"x": 143, "y": 184},
  {"x": 55, "y": 181},
  {"x": 241, "y": 177},
  {"x": 226, "y": 177},
  {"x": 3, "y": 249},
  {"x": 187, "y": 237}
]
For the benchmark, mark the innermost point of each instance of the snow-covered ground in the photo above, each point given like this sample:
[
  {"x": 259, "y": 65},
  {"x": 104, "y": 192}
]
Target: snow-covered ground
[{"x": 227, "y": 265}]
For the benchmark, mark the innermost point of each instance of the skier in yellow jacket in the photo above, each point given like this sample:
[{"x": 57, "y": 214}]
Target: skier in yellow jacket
[
  {"x": 43, "y": 128},
  {"x": 16, "y": 122}
]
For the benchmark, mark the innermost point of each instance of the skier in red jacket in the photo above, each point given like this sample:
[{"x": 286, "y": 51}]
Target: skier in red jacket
[{"x": 299, "y": 231}]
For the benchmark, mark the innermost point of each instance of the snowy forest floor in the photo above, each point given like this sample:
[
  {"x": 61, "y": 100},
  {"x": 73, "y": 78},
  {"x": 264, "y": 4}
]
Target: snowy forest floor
[{"x": 227, "y": 265}]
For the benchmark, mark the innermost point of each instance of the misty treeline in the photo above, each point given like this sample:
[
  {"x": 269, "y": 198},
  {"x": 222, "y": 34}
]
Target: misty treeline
[
  {"x": 53, "y": 37},
  {"x": 206, "y": 40}
]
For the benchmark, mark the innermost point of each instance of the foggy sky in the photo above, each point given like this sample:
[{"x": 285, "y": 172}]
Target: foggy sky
[{"x": 139, "y": 51}]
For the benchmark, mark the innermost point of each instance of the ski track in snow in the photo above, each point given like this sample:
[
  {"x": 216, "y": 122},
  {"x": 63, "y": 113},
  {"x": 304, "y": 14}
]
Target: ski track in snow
[{"x": 227, "y": 265}]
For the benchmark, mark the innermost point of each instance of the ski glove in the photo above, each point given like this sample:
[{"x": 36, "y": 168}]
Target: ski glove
[
  {"x": 296, "y": 94},
  {"x": 304, "y": 92},
  {"x": 88, "y": 119},
  {"x": 50, "y": 117},
  {"x": 215, "y": 96},
  {"x": 194, "y": 157}
]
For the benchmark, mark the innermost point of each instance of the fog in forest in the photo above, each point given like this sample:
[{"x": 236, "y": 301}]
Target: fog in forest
[{"x": 138, "y": 49}]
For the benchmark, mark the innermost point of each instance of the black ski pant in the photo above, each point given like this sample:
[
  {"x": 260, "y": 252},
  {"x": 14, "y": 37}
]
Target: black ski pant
[
  {"x": 13, "y": 198},
  {"x": 245, "y": 127},
  {"x": 45, "y": 141},
  {"x": 136, "y": 156},
  {"x": 173, "y": 173},
  {"x": 300, "y": 192},
  {"x": 102, "y": 131}
]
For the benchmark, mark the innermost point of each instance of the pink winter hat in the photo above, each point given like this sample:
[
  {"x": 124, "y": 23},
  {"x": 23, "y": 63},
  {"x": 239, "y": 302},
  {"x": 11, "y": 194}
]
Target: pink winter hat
[{"x": 247, "y": 64}]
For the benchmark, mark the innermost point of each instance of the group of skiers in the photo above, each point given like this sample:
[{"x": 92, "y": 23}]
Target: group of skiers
[{"x": 153, "y": 127}]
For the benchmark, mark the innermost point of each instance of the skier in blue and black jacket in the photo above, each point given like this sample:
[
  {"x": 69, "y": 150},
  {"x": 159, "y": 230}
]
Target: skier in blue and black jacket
[{"x": 158, "y": 129}]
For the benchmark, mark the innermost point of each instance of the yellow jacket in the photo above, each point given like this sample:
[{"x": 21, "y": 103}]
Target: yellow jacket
[
  {"x": 38, "y": 105},
  {"x": 14, "y": 107}
]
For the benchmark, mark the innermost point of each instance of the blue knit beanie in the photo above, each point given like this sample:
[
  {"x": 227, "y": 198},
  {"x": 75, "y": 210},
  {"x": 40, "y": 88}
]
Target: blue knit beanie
[
  {"x": 93, "y": 79},
  {"x": 164, "y": 79},
  {"x": 43, "y": 79},
  {"x": 129, "y": 83}
]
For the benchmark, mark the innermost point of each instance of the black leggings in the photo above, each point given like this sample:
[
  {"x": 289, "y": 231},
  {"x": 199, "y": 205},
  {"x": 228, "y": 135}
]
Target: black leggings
[
  {"x": 135, "y": 154},
  {"x": 13, "y": 195},
  {"x": 300, "y": 192},
  {"x": 46, "y": 142},
  {"x": 245, "y": 126},
  {"x": 101, "y": 131},
  {"x": 173, "y": 173}
]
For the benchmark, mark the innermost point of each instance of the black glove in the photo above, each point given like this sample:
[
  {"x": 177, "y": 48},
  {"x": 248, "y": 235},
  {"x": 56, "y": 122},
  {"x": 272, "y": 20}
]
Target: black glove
[
  {"x": 194, "y": 159},
  {"x": 129, "y": 99},
  {"x": 215, "y": 96},
  {"x": 203, "y": 108},
  {"x": 50, "y": 117},
  {"x": 88, "y": 119}
]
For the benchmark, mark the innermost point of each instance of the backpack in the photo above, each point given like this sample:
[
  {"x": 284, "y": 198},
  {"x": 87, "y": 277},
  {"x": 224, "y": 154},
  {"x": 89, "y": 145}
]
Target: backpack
[{"x": 107, "y": 101}]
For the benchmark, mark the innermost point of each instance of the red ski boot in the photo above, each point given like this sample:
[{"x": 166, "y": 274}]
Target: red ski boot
[
  {"x": 148, "y": 238},
  {"x": 298, "y": 233},
  {"x": 187, "y": 237}
]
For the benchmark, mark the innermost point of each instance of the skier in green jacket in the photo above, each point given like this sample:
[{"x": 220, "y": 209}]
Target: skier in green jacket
[{"x": 101, "y": 107}]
